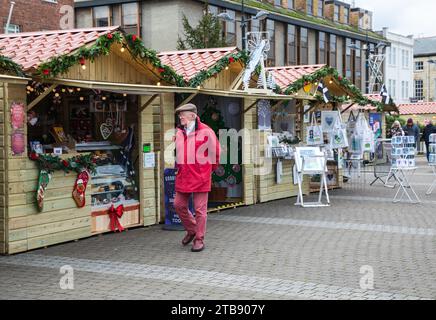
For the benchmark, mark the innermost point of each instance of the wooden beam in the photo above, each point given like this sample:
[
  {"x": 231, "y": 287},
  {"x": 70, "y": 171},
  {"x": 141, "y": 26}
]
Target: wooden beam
[
  {"x": 41, "y": 96},
  {"x": 348, "y": 107},
  {"x": 188, "y": 99},
  {"x": 237, "y": 82},
  {"x": 251, "y": 106},
  {"x": 149, "y": 101}
]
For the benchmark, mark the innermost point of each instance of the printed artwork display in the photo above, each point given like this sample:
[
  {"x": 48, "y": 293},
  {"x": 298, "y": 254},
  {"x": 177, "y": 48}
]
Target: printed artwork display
[
  {"x": 18, "y": 115},
  {"x": 309, "y": 159},
  {"x": 328, "y": 120}
]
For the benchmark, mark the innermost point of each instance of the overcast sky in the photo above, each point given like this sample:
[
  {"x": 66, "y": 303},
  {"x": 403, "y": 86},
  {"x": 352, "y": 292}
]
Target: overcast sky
[{"x": 405, "y": 17}]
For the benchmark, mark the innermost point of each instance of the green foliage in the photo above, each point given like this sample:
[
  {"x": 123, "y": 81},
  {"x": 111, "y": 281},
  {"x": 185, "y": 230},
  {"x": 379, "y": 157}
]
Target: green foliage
[
  {"x": 356, "y": 95},
  {"x": 61, "y": 64},
  {"x": 7, "y": 66},
  {"x": 203, "y": 75},
  {"x": 51, "y": 163},
  {"x": 208, "y": 34}
]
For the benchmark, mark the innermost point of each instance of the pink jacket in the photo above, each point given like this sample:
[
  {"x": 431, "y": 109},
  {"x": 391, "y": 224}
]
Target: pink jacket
[{"x": 197, "y": 155}]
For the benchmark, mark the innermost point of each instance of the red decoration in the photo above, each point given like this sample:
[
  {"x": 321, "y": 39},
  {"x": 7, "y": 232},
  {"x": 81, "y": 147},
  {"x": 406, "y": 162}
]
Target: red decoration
[
  {"x": 65, "y": 163},
  {"x": 46, "y": 72},
  {"x": 82, "y": 61},
  {"x": 34, "y": 156},
  {"x": 18, "y": 143},
  {"x": 115, "y": 215},
  {"x": 161, "y": 70},
  {"x": 231, "y": 59},
  {"x": 134, "y": 38},
  {"x": 109, "y": 36},
  {"x": 340, "y": 78}
]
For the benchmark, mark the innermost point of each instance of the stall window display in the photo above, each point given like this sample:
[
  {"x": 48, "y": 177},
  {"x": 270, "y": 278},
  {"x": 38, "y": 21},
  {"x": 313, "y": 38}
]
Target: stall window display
[
  {"x": 432, "y": 147},
  {"x": 78, "y": 122}
]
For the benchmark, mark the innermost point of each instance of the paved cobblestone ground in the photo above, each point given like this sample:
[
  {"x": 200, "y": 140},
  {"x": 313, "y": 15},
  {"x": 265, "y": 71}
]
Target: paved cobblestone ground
[{"x": 269, "y": 251}]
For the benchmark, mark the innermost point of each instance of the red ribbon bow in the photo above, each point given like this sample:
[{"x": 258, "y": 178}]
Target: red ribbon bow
[{"x": 114, "y": 215}]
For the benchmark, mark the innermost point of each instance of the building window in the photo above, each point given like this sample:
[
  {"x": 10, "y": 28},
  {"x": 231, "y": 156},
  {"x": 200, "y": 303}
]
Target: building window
[
  {"x": 101, "y": 16},
  {"x": 230, "y": 29},
  {"x": 320, "y": 8},
  {"x": 419, "y": 65},
  {"x": 130, "y": 17},
  {"x": 292, "y": 45},
  {"x": 393, "y": 56},
  {"x": 12, "y": 28},
  {"x": 333, "y": 51},
  {"x": 419, "y": 89},
  {"x": 336, "y": 14},
  {"x": 358, "y": 66},
  {"x": 278, "y": 3},
  {"x": 405, "y": 90},
  {"x": 271, "y": 53},
  {"x": 322, "y": 48},
  {"x": 405, "y": 58},
  {"x": 303, "y": 44},
  {"x": 254, "y": 25},
  {"x": 346, "y": 15},
  {"x": 309, "y": 7},
  {"x": 290, "y": 4},
  {"x": 347, "y": 65},
  {"x": 83, "y": 17}
]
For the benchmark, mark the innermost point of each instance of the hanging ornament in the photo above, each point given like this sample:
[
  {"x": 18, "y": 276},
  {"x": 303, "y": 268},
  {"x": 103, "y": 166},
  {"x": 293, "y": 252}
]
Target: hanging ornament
[
  {"x": 231, "y": 180},
  {"x": 236, "y": 168},
  {"x": 220, "y": 171},
  {"x": 109, "y": 36},
  {"x": 215, "y": 116}
]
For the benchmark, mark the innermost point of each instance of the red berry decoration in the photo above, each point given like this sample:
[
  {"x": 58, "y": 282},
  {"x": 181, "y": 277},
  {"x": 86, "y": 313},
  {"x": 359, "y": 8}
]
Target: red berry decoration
[
  {"x": 46, "y": 72},
  {"x": 161, "y": 70},
  {"x": 134, "y": 38},
  {"x": 65, "y": 163},
  {"x": 34, "y": 156},
  {"x": 340, "y": 78},
  {"x": 231, "y": 59},
  {"x": 109, "y": 36},
  {"x": 82, "y": 61}
]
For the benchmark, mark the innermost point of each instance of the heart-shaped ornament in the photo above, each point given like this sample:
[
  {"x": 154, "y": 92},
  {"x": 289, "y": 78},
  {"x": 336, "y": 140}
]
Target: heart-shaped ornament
[
  {"x": 106, "y": 129},
  {"x": 329, "y": 120}
]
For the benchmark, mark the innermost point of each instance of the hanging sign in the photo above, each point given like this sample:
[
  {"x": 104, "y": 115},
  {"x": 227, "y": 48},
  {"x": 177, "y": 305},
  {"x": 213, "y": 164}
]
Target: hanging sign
[{"x": 17, "y": 115}]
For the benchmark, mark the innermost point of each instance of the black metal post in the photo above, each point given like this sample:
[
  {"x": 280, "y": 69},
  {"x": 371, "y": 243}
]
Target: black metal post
[{"x": 243, "y": 25}]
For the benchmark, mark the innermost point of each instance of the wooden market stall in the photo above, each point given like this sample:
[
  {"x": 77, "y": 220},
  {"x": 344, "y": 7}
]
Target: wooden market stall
[
  {"x": 88, "y": 106},
  {"x": 222, "y": 103},
  {"x": 303, "y": 82}
]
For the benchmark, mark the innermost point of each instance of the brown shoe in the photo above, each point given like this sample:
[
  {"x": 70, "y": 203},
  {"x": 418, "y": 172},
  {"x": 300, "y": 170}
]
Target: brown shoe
[
  {"x": 197, "y": 246},
  {"x": 188, "y": 238}
]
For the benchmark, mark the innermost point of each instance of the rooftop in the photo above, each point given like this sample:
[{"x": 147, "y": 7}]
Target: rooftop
[
  {"x": 285, "y": 76},
  {"x": 30, "y": 49},
  {"x": 188, "y": 63},
  {"x": 418, "y": 108},
  {"x": 425, "y": 46}
]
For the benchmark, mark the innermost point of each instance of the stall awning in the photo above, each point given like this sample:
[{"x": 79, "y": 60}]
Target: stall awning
[
  {"x": 136, "y": 89},
  {"x": 243, "y": 94}
]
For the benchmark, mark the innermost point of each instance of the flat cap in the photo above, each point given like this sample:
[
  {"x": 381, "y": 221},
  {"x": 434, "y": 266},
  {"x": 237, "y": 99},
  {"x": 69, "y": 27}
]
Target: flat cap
[{"x": 187, "y": 107}]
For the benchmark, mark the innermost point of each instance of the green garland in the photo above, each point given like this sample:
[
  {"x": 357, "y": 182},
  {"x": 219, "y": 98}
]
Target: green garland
[
  {"x": 61, "y": 64},
  {"x": 7, "y": 66},
  {"x": 203, "y": 75},
  {"x": 357, "y": 96},
  {"x": 51, "y": 163}
]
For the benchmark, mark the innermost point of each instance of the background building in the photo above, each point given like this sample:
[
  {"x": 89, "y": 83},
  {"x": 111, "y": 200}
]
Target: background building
[
  {"x": 35, "y": 15},
  {"x": 301, "y": 31},
  {"x": 425, "y": 69},
  {"x": 398, "y": 66}
]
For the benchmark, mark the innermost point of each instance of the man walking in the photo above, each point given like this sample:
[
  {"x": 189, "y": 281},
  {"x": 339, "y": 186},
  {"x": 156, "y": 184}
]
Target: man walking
[
  {"x": 197, "y": 155},
  {"x": 428, "y": 130},
  {"x": 412, "y": 129}
]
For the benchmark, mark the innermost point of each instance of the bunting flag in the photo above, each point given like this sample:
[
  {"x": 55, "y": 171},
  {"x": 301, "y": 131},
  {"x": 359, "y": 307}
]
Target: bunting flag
[
  {"x": 386, "y": 98},
  {"x": 324, "y": 90}
]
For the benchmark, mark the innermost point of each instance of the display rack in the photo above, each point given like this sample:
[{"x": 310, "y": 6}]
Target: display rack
[{"x": 432, "y": 161}]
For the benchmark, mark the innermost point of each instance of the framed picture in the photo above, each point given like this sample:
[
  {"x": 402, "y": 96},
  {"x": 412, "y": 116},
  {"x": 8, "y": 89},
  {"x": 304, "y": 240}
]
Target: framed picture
[
  {"x": 314, "y": 159},
  {"x": 328, "y": 120},
  {"x": 36, "y": 147}
]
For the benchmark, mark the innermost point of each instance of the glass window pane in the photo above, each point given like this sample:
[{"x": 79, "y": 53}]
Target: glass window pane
[
  {"x": 130, "y": 13},
  {"x": 83, "y": 17},
  {"x": 101, "y": 16}
]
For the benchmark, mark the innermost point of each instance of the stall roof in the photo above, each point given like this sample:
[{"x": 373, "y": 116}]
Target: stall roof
[
  {"x": 188, "y": 63},
  {"x": 375, "y": 97},
  {"x": 287, "y": 75},
  {"x": 417, "y": 108},
  {"x": 30, "y": 49}
]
